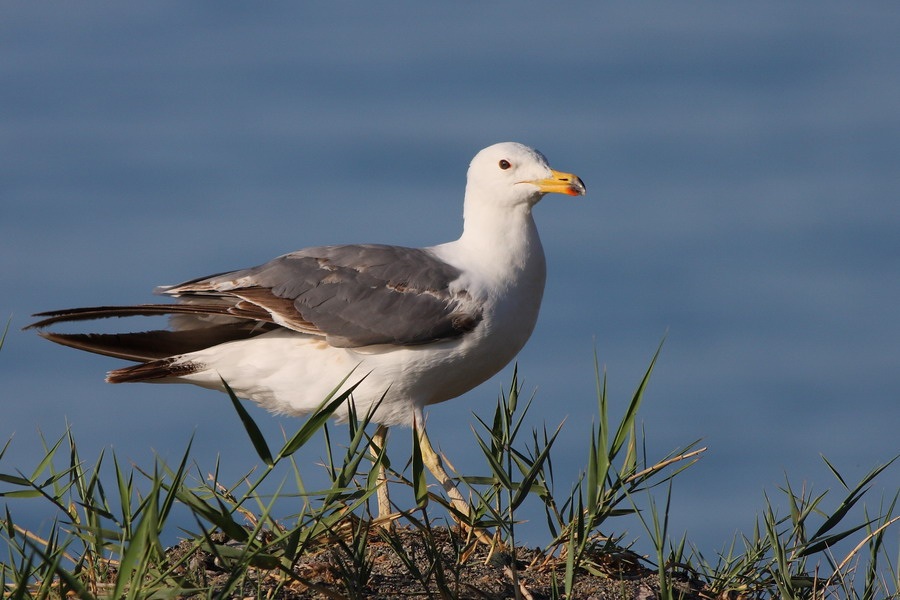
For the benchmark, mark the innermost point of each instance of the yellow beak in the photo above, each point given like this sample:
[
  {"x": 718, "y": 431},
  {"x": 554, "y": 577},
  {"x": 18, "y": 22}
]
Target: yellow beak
[{"x": 561, "y": 183}]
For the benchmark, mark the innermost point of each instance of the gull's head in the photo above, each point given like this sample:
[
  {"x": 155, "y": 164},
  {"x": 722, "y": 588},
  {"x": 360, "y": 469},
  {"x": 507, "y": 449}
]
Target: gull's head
[{"x": 511, "y": 174}]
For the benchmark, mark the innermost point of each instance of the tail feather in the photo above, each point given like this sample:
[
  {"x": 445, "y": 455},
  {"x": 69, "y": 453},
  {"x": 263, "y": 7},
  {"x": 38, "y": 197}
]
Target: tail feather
[
  {"x": 153, "y": 345},
  {"x": 153, "y": 370},
  {"x": 161, "y": 352}
]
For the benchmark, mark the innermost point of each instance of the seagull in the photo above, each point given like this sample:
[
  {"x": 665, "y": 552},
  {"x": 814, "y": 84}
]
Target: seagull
[{"x": 425, "y": 325}]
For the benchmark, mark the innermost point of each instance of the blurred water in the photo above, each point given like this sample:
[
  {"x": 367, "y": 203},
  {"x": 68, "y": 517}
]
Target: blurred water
[{"x": 742, "y": 169}]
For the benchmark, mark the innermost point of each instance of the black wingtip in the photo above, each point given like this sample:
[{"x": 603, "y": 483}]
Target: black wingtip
[
  {"x": 104, "y": 344},
  {"x": 99, "y": 312},
  {"x": 139, "y": 310}
]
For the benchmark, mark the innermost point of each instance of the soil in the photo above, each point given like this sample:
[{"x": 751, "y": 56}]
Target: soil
[{"x": 465, "y": 569}]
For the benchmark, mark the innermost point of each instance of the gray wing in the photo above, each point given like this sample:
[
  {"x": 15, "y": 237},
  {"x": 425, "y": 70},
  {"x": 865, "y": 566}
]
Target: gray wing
[{"x": 353, "y": 296}]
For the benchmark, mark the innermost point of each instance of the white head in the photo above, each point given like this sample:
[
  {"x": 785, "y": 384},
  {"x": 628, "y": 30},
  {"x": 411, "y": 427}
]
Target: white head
[{"x": 510, "y": 174}]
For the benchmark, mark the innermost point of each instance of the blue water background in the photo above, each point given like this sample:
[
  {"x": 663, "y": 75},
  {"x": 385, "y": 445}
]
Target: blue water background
[{"x": 743, "y": 170}]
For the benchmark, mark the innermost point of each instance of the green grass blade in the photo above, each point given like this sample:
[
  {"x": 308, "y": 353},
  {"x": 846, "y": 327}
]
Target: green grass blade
[
  {"x": 177, "y": 481},
  {"x": 134, "y": 559},
  {"x": 496, "y": 467},
  {"x": 525, "y": 487},
  {"x": 850, "y": 500},
  {"x": 830, "y": 540},
  {"x": 5, "y": 331},
  {"x": 126, "y": 488},
  {"x": 250, "y": 426},
  {"x": 220, "y": 517},
  {"x": 596, "y": 474},
  {"x": 626, "y": 425},
  {"x": 318, "y": 419}
]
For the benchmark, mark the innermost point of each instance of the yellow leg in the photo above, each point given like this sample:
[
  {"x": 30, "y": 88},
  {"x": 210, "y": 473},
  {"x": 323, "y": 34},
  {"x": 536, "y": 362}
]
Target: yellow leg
[
  {"x": 433, "y": 463},
  {"x": 384, "y": 500}
]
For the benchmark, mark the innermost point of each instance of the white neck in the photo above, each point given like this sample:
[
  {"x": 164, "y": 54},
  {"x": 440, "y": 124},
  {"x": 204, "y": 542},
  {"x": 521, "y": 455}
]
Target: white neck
[{"x": 501, "y": 242}]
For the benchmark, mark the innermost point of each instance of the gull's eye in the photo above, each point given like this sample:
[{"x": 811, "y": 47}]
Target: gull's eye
[{"x": 504, "y": 164}]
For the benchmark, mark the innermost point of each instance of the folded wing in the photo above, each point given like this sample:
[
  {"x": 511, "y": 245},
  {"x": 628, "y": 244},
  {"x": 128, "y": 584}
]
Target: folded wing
[{"x": 352, "y": 296}]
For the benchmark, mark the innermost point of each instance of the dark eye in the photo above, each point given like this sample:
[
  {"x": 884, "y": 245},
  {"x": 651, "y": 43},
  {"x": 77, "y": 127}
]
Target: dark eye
[{"x": 504, "y": 164}]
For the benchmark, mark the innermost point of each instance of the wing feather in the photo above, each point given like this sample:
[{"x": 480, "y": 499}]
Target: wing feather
[{"x": 354, "y": 296}]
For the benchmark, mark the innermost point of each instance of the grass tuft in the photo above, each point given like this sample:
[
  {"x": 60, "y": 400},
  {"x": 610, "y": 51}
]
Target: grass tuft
[{"x": 105, "y": 537}]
